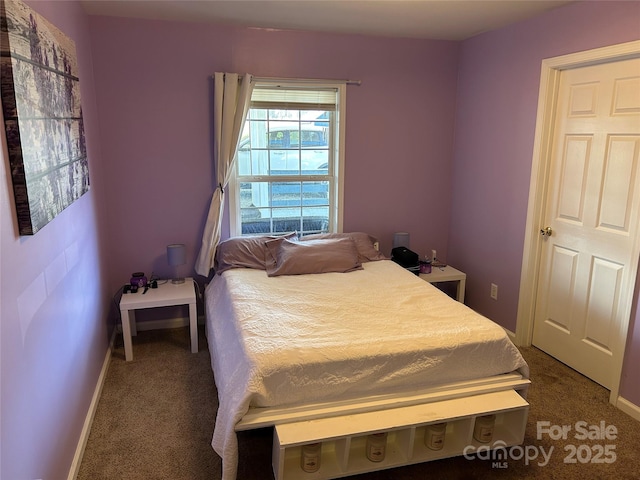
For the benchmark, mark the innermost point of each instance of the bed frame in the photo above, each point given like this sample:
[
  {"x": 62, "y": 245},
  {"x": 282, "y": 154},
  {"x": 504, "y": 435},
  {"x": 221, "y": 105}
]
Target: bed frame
[{"x": 343, "y": 427}]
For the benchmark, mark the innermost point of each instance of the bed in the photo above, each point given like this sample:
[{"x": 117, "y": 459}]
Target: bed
[{"x": 305, "y": 329}]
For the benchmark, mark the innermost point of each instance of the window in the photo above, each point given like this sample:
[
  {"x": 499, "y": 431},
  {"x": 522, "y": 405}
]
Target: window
[{"x": 289, "y": 162}]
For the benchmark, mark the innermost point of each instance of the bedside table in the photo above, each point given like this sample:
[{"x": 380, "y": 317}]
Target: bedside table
[
  {"x": 447, "y": 274},
  {"x": 166, "y": 295}
]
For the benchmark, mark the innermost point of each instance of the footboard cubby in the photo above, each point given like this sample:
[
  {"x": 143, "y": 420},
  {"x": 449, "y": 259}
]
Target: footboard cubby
[
  {"x": 395, "y": 455},
  {"x": 343, "y": 438},
  {"x": 456, "y": 438}
]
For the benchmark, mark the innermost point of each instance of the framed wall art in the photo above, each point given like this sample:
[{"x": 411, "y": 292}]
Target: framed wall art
[{"x": 40, "y": 93}]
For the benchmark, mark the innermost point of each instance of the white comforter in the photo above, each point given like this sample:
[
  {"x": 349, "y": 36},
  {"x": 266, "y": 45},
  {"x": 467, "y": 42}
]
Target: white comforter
[{"x": 296, "y": 339}]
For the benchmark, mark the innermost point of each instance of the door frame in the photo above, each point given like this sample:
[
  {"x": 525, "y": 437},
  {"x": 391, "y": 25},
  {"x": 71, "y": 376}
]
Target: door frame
[{"x": 549, "y": 84}]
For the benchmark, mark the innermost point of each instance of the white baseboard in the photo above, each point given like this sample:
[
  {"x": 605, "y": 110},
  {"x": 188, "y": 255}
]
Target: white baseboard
[
  {"x": 510, "y": 334},
  {"x": 623, "y": 404},
  {"x": 163, "y": 323},
  {"x": 88, "y": 421},
  {"x": 629, "y": 408}
]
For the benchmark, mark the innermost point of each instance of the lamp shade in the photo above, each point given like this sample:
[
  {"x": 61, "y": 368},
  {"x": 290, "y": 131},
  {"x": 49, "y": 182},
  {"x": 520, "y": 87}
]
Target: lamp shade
[
  {"x": 176, "y": 254},
  {"x": 401, "y": 239}
]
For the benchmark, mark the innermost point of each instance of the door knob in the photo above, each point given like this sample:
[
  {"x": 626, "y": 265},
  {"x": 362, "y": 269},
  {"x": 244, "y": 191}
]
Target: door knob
[{"x": 546, "y": 232}]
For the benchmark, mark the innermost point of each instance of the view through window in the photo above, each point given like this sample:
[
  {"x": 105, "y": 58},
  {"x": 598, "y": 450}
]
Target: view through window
[{"x": 287, "y": 162}]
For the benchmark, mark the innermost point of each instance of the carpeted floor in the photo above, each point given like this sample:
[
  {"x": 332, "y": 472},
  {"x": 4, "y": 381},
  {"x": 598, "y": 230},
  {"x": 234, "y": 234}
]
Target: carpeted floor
[{"x": 156, "y": 415}]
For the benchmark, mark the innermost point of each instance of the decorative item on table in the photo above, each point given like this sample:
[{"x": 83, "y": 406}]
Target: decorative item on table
[
  {"x": 483, "y": 429},
  {"x": 435, "y": 263},
  {"x": 434, "y": 435},
  {"x": 377, "y": 446},
  {"x": 406, "y": 259},
  {"x": 401, "y": 254},
  {"x": 425, "y": 265},
  {"x": 176, "y": 256},
  {"x": 310, "y": 457},
  {"x": 138, "y": 279}
]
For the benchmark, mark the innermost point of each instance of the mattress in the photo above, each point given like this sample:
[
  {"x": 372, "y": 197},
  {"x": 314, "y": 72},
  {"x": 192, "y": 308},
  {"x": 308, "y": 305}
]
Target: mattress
[{"x": 290, "y": 340}]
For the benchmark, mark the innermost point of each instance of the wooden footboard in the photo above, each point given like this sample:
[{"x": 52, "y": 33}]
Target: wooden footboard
[
  {"x": 402, "y": 436},
  {"x": 344, "y": 429},
  {"x": 258, "y": 417}
]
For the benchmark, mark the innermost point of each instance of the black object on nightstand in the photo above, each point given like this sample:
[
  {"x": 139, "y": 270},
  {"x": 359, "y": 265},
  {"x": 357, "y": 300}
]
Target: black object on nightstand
[{"x": 407, "y": 259}]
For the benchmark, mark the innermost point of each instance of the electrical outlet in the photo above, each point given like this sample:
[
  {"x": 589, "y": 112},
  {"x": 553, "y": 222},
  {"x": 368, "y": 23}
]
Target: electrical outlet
[{"x": 494, "y": 291}]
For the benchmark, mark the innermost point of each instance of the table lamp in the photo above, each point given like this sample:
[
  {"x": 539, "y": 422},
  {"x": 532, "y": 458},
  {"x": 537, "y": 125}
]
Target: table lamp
[
  {"x": 176, "y": 256},
  {"x": 401, "y": 239}
]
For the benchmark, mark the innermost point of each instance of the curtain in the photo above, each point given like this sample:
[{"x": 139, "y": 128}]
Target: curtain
[{"x": 232, "y": 96}]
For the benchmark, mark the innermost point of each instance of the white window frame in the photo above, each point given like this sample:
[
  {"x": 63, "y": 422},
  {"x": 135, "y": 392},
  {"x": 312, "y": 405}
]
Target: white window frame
[{"x": 336, "y": 204}]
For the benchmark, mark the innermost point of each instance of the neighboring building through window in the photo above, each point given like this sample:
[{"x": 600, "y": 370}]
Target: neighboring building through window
[{"x": 289, "y": 162}]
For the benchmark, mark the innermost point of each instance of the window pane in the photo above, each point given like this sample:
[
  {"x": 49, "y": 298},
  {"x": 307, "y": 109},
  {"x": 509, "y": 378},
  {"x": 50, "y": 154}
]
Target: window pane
[
  {"x": 253, "y": 196},
  {"x": 315, "y": 220},
  {"x": 286, "y": 194},
  {"x": 315, "y": 193},
  {"x": 282, "y": 147},
  {"x": 284, "y": 160},
  {"x": 279, "y": 206},
  {"x": 277, "y": 114}
]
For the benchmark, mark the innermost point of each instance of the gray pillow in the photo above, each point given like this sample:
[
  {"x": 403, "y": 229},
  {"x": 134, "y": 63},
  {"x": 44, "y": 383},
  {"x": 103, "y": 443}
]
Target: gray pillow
[
  {"x": 244, "y": 252},
  {"x": 288, "y": 257},
  {"x": 364, "y": 243}
]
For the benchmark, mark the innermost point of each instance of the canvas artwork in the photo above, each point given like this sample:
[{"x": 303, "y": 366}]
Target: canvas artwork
[{"x": 42, "y": 116}]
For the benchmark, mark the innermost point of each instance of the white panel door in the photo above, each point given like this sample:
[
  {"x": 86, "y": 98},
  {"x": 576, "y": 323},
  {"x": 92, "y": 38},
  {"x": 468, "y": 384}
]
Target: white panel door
[{"x": 593, "y": 211}]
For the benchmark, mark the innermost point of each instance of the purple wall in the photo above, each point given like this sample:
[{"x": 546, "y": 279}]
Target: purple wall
[
  {"x": 54, "y": 304},
  {"x": 154, "y": 91},
  {"x": 499, "y": 75},
  {"x": 152, "y": 178}
]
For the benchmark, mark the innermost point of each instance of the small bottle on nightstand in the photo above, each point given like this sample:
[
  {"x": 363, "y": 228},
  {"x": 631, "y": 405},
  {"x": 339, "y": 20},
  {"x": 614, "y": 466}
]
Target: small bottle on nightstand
[{"x": 425, "y": 265}]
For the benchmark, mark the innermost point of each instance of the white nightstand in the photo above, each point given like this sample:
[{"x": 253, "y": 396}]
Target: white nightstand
[
  {"x": 167, "y": 294},
  {"x": 447, "y": 274}
]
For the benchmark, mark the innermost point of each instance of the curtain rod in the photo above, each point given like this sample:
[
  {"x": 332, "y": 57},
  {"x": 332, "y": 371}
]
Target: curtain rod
[{"x": 307, "y": 80}]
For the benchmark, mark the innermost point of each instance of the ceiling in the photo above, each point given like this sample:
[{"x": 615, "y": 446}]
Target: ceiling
[{"x": 430, "y": 19}]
